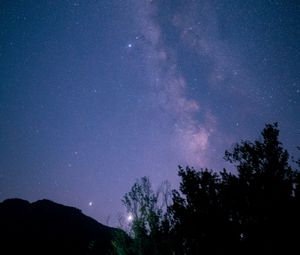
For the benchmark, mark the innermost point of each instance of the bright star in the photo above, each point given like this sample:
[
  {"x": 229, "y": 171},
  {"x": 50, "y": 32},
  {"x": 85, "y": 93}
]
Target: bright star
[
  {"x": 129, "y": 217},
  {"x": 129, "y": 45},
  {"x": 90, "y": 203}
]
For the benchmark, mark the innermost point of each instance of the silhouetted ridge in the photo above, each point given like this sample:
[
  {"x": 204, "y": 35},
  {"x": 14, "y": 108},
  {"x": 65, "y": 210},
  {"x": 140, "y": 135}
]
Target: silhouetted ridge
[
  {"x": 47, "y": 227},
  {"x": 48, "y": 204}
]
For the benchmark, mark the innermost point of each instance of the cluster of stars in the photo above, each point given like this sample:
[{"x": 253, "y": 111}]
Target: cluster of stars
[{"x": 92, "y": 87}]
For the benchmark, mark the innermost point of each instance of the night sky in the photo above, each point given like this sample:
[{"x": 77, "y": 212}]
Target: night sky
[{"x": 95, "y": 94}]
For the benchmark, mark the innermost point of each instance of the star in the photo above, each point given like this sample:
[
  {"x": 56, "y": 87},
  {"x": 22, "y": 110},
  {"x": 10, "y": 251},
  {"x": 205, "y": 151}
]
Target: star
[
  {"x": 129, "y": 218},
  {"x": 169, "y": 86}
]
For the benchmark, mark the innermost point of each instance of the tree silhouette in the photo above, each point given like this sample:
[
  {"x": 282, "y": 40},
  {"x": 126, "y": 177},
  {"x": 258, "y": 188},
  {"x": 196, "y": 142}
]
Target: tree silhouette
[
  {"x": 255, "y": 211},
  {"x": 248, "y": 212},
  {"x": 265, "y": 188},
  {"x": 197, "y": 213},
  {"x": 149, "y": 225}
]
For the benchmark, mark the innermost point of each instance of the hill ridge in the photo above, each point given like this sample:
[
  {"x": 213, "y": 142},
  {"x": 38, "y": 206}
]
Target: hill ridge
[{"x": 45, "y": 227}]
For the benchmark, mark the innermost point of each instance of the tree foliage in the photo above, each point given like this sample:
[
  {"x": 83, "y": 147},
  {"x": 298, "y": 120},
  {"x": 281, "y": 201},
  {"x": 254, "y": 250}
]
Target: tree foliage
[
  {"x": 253, "y": 211},
  {"x": 148, "y": 225}
]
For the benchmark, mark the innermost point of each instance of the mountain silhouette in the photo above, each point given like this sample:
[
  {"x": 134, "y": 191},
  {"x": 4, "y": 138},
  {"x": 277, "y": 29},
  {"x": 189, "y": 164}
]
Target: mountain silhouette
[{"x": 45, "y": 227}]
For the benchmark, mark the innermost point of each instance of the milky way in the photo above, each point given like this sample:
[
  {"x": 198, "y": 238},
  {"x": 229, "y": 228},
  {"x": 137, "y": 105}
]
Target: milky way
[{"x": 95, "y": 94}]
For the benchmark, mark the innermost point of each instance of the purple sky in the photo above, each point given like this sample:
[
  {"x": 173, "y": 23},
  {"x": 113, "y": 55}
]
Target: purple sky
[{"x": 95, "y": 94}]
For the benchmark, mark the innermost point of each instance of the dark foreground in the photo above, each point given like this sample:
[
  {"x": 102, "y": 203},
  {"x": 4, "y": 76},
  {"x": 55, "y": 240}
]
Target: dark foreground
[{"x": 45, "y": 227}]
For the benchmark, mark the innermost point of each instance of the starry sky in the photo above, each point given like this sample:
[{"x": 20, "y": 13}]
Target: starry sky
[{"x": 95, "y": 94}]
